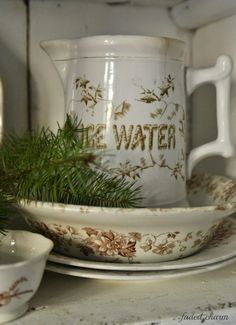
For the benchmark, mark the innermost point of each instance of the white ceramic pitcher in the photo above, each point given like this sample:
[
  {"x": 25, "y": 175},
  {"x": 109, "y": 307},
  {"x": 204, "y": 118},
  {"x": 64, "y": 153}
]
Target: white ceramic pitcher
[{"x": 129, "y": 93}]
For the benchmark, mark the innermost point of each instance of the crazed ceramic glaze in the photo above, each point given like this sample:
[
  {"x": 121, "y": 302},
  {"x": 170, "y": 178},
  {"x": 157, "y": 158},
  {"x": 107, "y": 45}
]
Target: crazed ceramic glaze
[
  {"x": 129, "y": 94},
  {"x": 141, "y": 235},
  {"x": 22, "y": 261}
]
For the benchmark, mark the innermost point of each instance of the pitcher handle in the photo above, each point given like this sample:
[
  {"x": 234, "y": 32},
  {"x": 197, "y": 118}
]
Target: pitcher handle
[
  {"x": 1, "y": 111},
  {"x": 220, "y": 76}
]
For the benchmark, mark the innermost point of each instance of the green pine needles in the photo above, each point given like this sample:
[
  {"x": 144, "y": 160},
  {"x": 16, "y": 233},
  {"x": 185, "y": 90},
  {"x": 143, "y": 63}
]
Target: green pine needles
[{"x": 57, "y": 167}]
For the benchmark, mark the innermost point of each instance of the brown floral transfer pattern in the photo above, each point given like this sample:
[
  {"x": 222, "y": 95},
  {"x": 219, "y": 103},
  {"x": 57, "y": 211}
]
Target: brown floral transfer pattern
[
  {"x": 89, "y": 241},
  {"x": 135, "y": 171},
  {"x": 91, "y": 95},
  {"x": 109, "y": 243},
  {"x": 220, "y": 189},
  {"x": 226, "y": 229},
  {"x": 13, "y": 292},
  {"x": 160, "y": 97},
  {"x": 64, "y": 237}
]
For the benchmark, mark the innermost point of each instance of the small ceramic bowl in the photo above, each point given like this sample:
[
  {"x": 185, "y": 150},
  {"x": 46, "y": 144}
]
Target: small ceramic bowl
[
  {"x": 142, "y": 235},
  {"x": 23, "y": 255}
]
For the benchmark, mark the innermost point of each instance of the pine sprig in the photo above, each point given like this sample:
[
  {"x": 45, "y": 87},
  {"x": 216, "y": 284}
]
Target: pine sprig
[{"x": 58, "y": 168}]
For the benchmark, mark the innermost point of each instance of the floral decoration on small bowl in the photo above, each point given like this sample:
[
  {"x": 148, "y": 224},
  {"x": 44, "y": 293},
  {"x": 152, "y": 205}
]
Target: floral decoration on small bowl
[{"x": 23, "y": 256}]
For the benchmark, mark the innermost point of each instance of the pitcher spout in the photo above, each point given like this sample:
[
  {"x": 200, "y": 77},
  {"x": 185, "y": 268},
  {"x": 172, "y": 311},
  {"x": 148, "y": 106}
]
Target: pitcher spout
[{"x": 60, "y": 52}]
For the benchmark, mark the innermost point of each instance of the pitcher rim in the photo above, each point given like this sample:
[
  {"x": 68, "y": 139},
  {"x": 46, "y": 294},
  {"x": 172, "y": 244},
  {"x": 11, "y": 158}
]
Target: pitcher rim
[{"x": 115, "y": 46}]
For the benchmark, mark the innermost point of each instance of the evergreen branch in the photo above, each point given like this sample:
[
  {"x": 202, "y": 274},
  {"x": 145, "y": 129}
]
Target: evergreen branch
[{"x": 58, "y": 168}]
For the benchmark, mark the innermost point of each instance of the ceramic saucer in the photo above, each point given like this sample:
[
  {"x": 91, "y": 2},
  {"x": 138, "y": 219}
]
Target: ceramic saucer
[
  {"x": 220, "y": 248},
  {"x": 134, "y": 276}
]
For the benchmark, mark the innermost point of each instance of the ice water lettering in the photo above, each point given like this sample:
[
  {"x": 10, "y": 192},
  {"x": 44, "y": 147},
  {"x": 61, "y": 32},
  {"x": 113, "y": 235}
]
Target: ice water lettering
[{"x": 131, "y": 137}]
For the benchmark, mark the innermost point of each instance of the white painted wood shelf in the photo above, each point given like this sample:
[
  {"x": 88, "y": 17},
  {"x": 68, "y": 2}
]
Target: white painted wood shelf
[
  {"x": 65, "y": 300},
  {"x": 192, "y": 14},
  {"x": 143, "y": 3}
]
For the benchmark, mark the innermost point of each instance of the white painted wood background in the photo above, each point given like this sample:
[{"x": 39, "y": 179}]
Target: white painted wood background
[
  {"x": 13, "y": 69},
  {"x": 41, "y": 103},
  {"x": 208, "y": 43}
]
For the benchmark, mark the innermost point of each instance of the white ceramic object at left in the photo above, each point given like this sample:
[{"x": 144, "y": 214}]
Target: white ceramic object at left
[{"x": 23, "y": 257}]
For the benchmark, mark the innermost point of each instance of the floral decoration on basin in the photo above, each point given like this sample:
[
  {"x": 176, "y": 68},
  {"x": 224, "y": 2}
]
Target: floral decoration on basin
[
  {"x": 92, "y": 241},
  {"x": 217, "y": 191},
  {"x": 141, "y": 235}
]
